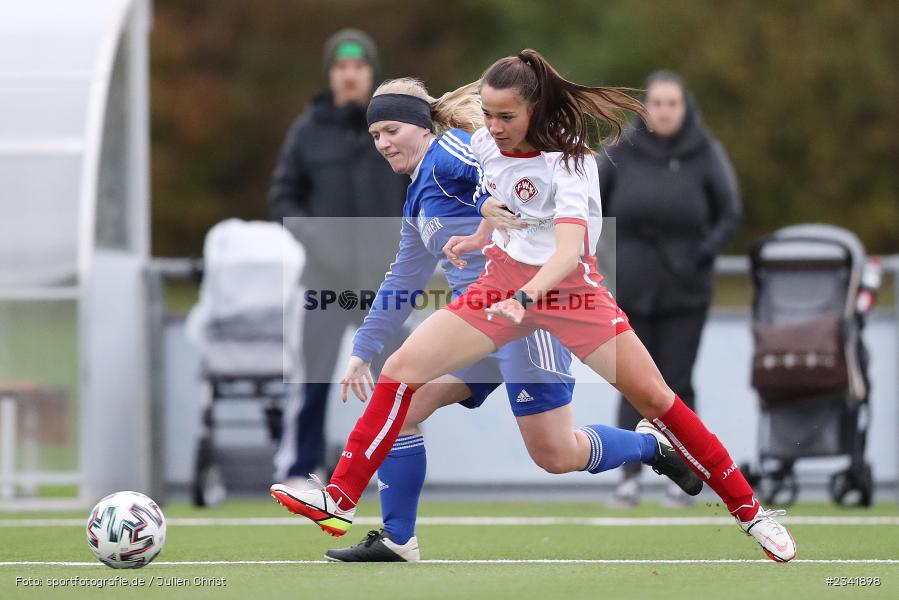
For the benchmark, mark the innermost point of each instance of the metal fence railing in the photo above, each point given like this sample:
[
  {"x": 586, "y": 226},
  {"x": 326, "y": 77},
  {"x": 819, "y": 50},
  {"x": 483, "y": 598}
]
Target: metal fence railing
[{"x": 165, "y": 271}]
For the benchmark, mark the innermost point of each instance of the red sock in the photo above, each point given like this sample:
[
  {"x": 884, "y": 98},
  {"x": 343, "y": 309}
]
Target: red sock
[
  {"x": 708, "y": 457},
  {"x": 370, "y": 441}
]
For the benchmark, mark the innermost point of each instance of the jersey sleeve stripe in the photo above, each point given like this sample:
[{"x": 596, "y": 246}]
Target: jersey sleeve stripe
[
  {"x": 578, "y": 221},
  {"x": 574, "y": 220},
  {"x": 451, "y": 150},
  {"x": 457, "y": 143},
  {"x": 481, "y": 187},
  {"x": 462, "y": 146}
]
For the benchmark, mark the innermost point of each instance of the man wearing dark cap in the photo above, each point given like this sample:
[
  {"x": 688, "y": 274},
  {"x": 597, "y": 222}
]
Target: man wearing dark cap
[{"x": 332, "y": 180}]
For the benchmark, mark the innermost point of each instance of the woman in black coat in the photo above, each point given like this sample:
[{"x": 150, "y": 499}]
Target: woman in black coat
[{"x": 674, "y": 195}]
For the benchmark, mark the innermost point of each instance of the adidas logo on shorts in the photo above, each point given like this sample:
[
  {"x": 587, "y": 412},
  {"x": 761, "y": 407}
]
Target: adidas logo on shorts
[{"x": 523, "y": 396}]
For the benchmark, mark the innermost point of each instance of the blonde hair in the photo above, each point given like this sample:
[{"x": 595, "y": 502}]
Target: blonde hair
[{"x": 458, "y": 109}]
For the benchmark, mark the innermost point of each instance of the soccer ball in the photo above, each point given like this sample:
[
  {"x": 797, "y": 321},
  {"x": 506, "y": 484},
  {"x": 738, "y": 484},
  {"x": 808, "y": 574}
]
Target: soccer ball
[{"x": 126, "y": 530}]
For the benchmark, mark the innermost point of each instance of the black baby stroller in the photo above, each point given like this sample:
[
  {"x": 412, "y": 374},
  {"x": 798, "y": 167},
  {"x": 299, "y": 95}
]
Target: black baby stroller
[
  {"x": 247, "y": 327},
  {"x": 810, "y": 365}
]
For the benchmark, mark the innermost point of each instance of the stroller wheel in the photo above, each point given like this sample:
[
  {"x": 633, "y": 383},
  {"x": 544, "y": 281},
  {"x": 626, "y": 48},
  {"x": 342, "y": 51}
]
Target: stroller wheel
[
  {"x": 274, "y": 420},
  {"x": 867, "y": 486},
  {"x": 779, "y": 491},
  {"x": 209, "y": 483},
  {"x": 839, "y": 485},
  {"x": 853, "y": 487}
]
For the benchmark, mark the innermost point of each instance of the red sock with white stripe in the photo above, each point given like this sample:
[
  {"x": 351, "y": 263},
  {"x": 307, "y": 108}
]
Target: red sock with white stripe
[
  {"x": 370, "y": 441},
  {"x": 708, "y": 457}
]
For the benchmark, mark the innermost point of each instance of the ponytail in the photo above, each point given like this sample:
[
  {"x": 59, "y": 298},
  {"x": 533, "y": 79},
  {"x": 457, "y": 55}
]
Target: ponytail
[
  {"x": 567, "y": 116},
  {"x": 459, "y": 109}
]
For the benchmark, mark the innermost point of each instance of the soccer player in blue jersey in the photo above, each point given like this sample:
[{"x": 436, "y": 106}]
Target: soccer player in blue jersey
[{"x": 440, "y": 204}]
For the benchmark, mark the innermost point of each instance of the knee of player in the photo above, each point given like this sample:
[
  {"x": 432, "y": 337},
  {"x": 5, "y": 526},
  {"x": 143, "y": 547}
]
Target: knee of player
[
  {"x": 399, "y": 366},
  {"x": 552, "y": 460},
  {"x": 662, "y": 399},
  {"x": 652, "y": 398}
]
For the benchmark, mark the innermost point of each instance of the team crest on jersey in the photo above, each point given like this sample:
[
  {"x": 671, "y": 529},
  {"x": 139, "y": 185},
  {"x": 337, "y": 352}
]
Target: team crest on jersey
[{"x": 525, "y": 190}]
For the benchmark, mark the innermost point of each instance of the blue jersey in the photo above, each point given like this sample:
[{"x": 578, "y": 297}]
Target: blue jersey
[{"x": 440, "y": 203}]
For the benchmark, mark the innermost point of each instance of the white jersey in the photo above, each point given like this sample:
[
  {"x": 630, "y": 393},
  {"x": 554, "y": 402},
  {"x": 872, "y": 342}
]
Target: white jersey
[{"x": 542, "y": 192}]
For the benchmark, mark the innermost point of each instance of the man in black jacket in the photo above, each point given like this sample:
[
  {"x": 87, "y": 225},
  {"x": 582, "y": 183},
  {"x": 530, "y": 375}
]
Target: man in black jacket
[
  {"x": 674, "y": 195},
  {"x": 330, "y": 188}
]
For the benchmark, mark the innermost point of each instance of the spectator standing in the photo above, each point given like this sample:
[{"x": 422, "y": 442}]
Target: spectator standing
[
  {"x": 674, "y": 194},
  {"x": 330, "y": 175}
]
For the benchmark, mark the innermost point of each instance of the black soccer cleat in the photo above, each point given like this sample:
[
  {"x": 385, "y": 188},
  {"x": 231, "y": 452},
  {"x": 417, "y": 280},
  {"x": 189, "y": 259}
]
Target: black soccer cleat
[
  {"x": 377, "y": 547},
  {"x": 669, "y": 463}
]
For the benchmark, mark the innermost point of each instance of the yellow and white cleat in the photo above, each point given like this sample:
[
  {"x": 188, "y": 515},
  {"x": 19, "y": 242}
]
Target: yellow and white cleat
[{"x": 315, "y": 504}]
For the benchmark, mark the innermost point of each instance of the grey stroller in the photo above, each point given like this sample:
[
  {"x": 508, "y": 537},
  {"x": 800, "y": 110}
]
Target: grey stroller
[
  {"x": 247, "y": 327},
  {"x": 810, "y": 365}
]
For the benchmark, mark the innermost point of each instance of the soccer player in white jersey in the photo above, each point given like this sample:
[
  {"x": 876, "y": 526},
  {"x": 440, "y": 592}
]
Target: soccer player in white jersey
[
  {"x": 429, "y": 140},
  {"x": 540, "y": 274}
]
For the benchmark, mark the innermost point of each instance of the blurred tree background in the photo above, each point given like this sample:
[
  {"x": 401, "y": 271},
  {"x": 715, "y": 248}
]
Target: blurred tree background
[{"x": 803, "y": 93}]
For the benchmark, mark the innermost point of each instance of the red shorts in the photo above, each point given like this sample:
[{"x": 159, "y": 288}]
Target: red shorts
[{"x": 580, "y": 312}]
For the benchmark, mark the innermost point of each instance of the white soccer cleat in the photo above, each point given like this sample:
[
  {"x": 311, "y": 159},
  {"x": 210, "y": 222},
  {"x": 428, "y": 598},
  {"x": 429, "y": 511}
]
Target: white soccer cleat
[
  {"x": 773, "y": 537},
  {"x": 408, "y": 551},
  {"x": 301, "y": 484},
  {"x": 317, "y": 505}
]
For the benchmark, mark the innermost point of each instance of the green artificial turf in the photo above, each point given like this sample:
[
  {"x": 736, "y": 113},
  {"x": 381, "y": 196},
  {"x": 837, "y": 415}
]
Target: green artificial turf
[{"x": 295, "y": 540}]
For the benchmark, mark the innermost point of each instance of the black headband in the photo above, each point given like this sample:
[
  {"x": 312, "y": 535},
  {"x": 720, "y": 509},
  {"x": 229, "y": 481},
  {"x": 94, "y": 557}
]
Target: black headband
[{"x": 399, "y": 107}]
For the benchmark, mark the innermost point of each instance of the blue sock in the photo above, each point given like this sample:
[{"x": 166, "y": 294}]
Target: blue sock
[
  {"x": 400, "y": 479},
  {"x": 611, "y": 447}
]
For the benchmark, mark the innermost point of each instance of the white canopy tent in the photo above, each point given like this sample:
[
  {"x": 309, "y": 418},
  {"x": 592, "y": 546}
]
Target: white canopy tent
[{"x": 74, "y": 242}]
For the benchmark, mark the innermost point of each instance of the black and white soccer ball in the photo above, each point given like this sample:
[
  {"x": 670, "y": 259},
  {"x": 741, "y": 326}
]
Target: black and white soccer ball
[{"x": 126, "y": 530}]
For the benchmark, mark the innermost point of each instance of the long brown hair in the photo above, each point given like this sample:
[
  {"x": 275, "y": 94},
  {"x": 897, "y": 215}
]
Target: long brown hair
[{"x": 567, "y": 116}]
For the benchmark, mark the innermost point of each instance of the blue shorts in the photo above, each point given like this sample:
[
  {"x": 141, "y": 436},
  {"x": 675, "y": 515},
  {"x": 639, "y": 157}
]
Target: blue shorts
[{"x": 539, "y": 362}]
